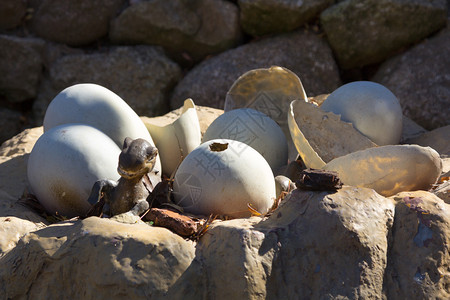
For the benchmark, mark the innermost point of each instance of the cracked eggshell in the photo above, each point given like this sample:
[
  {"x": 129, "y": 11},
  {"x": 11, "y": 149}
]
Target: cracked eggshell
[
  {"x": 94, "y": 105},
  {"x": 255, "y": 129},
  {"x": 321, "y": 136},
  {"x": 389, "y": 169},
  {"x": 65, "y": 163},
  {"x": 371, "y": 108},
  {"x": 270, "y": 91},
  {"x": 222, "y": 177},
  {"x": 176, "y": 140}
]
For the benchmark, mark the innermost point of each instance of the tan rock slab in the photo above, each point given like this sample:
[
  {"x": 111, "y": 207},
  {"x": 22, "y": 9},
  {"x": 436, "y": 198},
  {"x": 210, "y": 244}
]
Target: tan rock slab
[{"x": 418, "y": 259}]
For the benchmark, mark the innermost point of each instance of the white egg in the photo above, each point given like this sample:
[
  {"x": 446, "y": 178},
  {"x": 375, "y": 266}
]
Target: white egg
[
  {"x": 371, "y": 108},
  {"x": 65, "y": 163},
  {"x": 94, "y": 105},
  {"x": 255, "y": 129},
  {"x": 222, "y": 177}
]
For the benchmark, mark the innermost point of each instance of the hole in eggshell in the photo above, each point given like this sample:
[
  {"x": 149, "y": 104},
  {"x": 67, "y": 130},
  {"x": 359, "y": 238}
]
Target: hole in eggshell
[{"x": 218, "y": 147}]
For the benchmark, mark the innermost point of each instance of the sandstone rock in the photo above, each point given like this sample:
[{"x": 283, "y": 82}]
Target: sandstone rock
[
  {"x": 443, "y": 191},
  {"x": 368, "y": 32},
  {"x": 13, "y": 161},
  {"x": 315, "y": 246},
  {"x": 140, "y": 75},
  {"x": 304, "y": 53},
  {"x": 420, "y": 79},
  {"x": 10, "y": 123},
  {"x": 73, "y": 23},
  {"x": 197, "y": 28},
  {"x": 259, "y": 17},
  {"x": 438, "y": 139},
  {"x": 12, "y": 13},
  {"x": 418, "y": 258},
  {"x": 410, "y": 130},
  {"x": 20, "y": 66},
  {"x": 83, "y": 259}
]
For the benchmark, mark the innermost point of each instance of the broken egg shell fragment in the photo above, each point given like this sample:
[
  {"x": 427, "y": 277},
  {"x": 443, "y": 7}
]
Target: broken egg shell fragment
[
  {"x": 223, "y": 180},
  {"x": 255, "y": 129},
  {"x": 97, "y": 106},
  {"x": 65, "y": 163},
  {"x": 320, "y": 136},
  {"x": 270, "y": 91},
  {"x": 389, "y": 169},
  {"x": 371, "y": 108},
  {"x": 176, "y": 140}
]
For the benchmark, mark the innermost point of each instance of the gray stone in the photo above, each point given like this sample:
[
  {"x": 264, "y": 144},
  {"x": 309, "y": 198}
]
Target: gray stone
[
  {"x": 21, "y": 67},
  {"x": 85, "y": 259},
  {"x": 367, "y": 32},
  {"x": 315, "y": 246},
  {"x": 73, "y": 23},
  {"x": 418, "y": 257},
  {"x": 140, "y": 75},
  {"x": 10, "y": 123},
  {"x": 259, "y": 17},
  {"x": 438, "y": 139},
  {"x": 420, "y": 78},
  {"x": 194, "y": 28},
  {"x": 304, "y": 53},
  {"x": 12, "y": 13}
]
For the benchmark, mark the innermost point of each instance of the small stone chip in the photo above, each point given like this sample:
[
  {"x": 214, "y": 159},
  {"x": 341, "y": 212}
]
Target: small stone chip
[{"x": 319, "y": 180}]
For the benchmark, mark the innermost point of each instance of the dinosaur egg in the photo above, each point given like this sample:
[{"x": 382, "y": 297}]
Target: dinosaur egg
[
  {"x": 65, "y": 163},
  {"x": 94, "y": 105},
  {"x": 255, "y": 129},
  {"x": 371, "y": 108},
  {"x": 222, "y": 177}
]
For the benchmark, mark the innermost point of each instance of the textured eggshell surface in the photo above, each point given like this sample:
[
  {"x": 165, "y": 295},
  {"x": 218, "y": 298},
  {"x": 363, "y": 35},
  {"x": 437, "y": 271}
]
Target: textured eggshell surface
[
  {"x": 222, "y": 177},
  {"x": 255, "y": 129},
  {"x": 65, "y": 163},
  {"x": 371, "y": 108},
  {"x": 389, "y": 169},
  {"x": 94, "y": 105},
  {"x": 270, "y": 91}
]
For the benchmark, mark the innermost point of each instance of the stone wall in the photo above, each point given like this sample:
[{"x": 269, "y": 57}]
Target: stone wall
[{"x": 154, "y": 54}]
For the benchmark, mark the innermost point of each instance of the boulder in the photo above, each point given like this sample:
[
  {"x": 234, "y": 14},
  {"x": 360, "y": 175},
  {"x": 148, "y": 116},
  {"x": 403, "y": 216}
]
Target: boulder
[
  {"x": 74, "y": 23},
  {"x": 420, "y": 79},
  {"x": 193, "y": 28},
  {"x": 304, "y": 53},
  {"x": 10, "y": 123},
  {"x": 316, "y": 245},
  {"x": 418, "y": 257},
  {"x": 21, "y": 66},
  {"x": 260, "y": 17},
  {"x": 83, "y": 259},
  {"x": 12, "y": 13},
  {"x": 367, "y": 32},
  {"x": 140, "y": 75}
]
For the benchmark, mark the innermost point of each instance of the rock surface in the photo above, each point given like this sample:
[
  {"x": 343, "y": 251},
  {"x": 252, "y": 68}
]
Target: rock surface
[
  {"x": 352, "y": 243},
  {"x": 418, "y": 258},
  {"x": 259, "y": 17},
  {"x": 123, "y": 70},
  {"x": 196, "y": 28},
  {"x": 10, "y": 123},
  {"x": 21, "y": 66},
  {"x": 304, "y": 53},
  {"x": 438, "y": 139},
  {"x": 367, "y": 32},
  {"x": 73, "y": 23},
  {"x": 12, "y": 13},
  {"x": 420, "y": 78}
]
